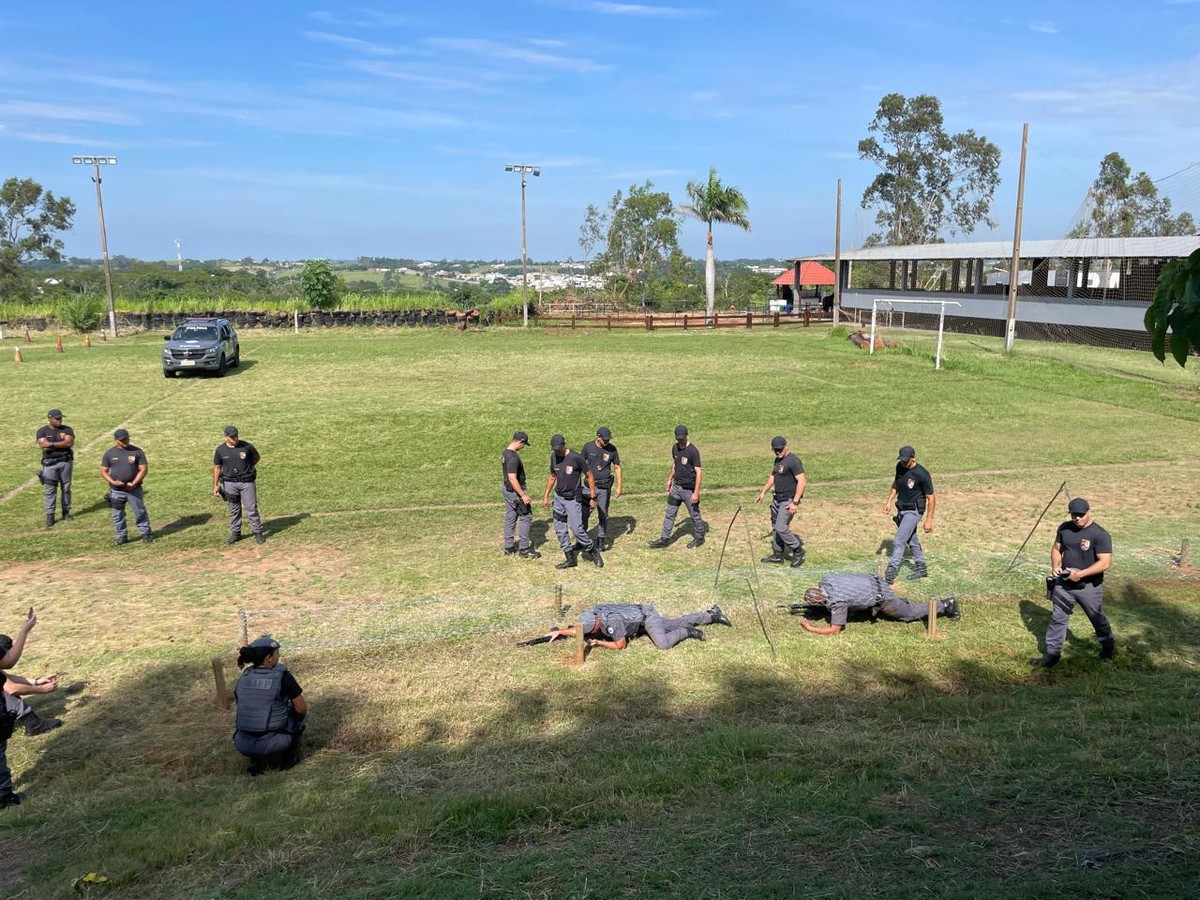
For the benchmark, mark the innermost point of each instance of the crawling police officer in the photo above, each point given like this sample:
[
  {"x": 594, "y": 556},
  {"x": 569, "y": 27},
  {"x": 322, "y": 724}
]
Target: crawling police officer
[
  {"x": 234, "y": 479},
  {"x": 614, "y": 625},
  {"x": 602, "y": 458},
  {"x": 912, "y": 489},
  {"x": 842, "y": 593},
  {"x": 518, "y": 505},
  {"x": 567, "y": 469},
  {"x": 56, "y": 441},
  {"x": 683, "y": 486},
  {"x": 787, "y": 482},
  {"x": 123, "y": 466},
  {"x": 1081, "y": 554}
]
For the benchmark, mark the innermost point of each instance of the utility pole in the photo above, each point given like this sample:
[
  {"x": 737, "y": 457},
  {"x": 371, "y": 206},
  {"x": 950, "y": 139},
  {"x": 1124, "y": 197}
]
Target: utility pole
[
  {"x": 837, "y": 260},
  {"x": 534, "y": 171},
  {"x": 97, "y": 162},
  {"x": 1010, "y": 330},
  {"x": 178, "y": 255}
]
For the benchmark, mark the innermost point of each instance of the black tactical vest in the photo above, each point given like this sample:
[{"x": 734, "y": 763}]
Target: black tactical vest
[{"x": 259, "y": 706}]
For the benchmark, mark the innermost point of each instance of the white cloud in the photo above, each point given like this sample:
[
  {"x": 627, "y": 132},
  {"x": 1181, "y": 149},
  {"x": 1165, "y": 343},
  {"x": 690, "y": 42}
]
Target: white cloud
[
  {"x": 635, "y": 9},
  {"x": 350, "y": 43},
  {"x": 34, "y": 110},
  {"x": 362, "y": 18},
  {"x": 412, "y": 74},
  {"x": 1043, "y": 27},
  {"x": 529, "y": 56}
]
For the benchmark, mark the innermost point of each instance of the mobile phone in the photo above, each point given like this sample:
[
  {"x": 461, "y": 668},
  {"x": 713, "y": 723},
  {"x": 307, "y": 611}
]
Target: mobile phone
[{"x": 30, "y": 616}]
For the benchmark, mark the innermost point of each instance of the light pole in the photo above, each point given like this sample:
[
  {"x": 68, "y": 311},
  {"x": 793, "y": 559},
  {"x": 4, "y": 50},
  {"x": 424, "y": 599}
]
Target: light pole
[
  {"x": 97, "y": 162},
  {"x": 535, "y": 172}
]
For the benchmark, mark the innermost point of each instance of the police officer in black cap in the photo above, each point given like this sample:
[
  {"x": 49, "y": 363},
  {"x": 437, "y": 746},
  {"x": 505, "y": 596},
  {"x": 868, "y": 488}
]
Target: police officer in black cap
[
  {"x": 787, "y": 482},
  {"x": 683, "y": 487},
  {"x": 235, "y": 479},
  {"x": 602, "y": 458},
  {"x": 271, "y": 713},
  {"x": 567, "y": 470},
  {"x": 1081, "y": 554},
  {"x": 56, "y": 441},
  {"x": 518, "y": 505},
  {"x": 123, "y": 466},
  {"x": 912, "y": 489}
]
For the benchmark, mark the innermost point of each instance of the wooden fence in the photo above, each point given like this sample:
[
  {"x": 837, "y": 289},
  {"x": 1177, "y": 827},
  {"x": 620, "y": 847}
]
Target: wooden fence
[{"x": 652, "y": 321}]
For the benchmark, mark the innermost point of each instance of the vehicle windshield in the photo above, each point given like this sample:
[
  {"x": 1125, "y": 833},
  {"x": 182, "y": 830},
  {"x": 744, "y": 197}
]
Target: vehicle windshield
[{"x": 195, "y": 333}]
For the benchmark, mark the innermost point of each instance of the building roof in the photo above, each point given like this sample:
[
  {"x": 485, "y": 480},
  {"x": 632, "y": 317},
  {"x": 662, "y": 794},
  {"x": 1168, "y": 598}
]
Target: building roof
[
  {"x": 810, "y": 273},
  {"x": 1065, "y": 248}
]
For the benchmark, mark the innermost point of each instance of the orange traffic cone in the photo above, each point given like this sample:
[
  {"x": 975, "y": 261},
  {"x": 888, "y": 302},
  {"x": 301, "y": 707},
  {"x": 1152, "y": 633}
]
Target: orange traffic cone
[
  {"x": 17, "y": 355},
  {"x": 87, "y": 340},
  {"x": 58, "y": 344}
]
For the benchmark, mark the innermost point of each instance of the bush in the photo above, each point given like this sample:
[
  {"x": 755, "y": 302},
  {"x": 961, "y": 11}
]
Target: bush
[
  {"x": 321, "y": 286},
  {"x": 81, "y": 312}
]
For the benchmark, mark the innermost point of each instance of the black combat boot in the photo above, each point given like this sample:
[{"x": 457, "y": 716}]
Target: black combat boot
[
  {"x": 695, "y": 634},
  {"x": 698, "y": 539},
  {"x": 260, "y": 537},
  {"x": 529, "y": 553},
  {"x": 1046, "y": 661},
  {"x": 50, "y": 521},
  {"x": 889, "y": 575},
  {"x": 775, "y": 557},
  {"x": 35, "y": 724},
  {"x": 919, "y": 571},
  {"x": 569, "y": 562},
  {"x": 233, "y": 538},
  {"x": 66, "y": 515},
  {"x": 510, "y": 549},
  {"x": 658, "y": 543},
  {"x": 147, "y": 538},
  {"x": 122, "y": 540},
  {"x": 595, "y": 557},
  {"x": 9, "y": 798},
  {"x": 798, "y": 556},
  {"x": 1108, "y": 649},
  {"x": 718, "y": 617},
  {"x": 950, "y": 609}
]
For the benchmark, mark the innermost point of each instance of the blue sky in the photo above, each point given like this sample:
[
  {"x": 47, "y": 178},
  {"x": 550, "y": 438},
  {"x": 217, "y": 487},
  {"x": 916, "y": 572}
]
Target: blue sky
[{"x": 303, "y": 129}]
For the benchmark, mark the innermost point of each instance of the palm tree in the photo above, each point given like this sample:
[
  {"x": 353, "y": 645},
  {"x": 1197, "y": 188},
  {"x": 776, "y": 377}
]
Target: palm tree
[{"x": 714, "y": 202}]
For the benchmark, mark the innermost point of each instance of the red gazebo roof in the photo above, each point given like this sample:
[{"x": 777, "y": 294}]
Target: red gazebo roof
[{"x": 810, "y": 273}]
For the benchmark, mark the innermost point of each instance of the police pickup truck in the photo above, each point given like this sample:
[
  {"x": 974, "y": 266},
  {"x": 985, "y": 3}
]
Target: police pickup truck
[{"x": 201, "y": 345}]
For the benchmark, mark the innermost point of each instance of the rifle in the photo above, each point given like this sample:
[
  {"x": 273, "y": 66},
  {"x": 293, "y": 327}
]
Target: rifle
[
  {"x": 797, "y": 608},
  {"x": 544, "y": 639}
]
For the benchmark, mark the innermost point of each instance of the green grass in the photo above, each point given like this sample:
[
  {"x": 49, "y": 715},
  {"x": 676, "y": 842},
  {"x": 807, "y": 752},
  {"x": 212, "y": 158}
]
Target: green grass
[{"x": 444, "y": 762}]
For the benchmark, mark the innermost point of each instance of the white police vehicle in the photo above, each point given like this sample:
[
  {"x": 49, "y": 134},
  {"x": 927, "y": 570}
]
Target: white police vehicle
[{"x": 206, "y": 344}]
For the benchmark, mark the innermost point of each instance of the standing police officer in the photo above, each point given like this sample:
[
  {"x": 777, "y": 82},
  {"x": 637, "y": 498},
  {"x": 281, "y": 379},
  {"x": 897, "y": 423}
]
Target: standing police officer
[
  {"x": 234, "y": 479},
  {"x": 912, "y": 490},
  {"x": 566, "y": 471},
  {"x": 518, "y": 505},
  {"x": 56, "y": 440},
  {"x": 683, "y": 486},
  {"x": 604, "y": 461},
  {"x": 1081, "y": 554},
  {"x": 123, "y": 466},
  {"x": 788, "y": 480}
]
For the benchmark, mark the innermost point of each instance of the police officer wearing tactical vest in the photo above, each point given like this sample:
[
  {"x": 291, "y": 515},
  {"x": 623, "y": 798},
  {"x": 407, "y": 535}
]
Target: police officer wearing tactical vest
[
  {"x": 123, "y": 466},
  {"x": 842, "y": 593},
  {"x": 518, "y": 505},
  {"x": 912, "y": 489},
  {"x": 56, "y": 441},
  {"x": 602, "y": 458},
  {"x": 1081, "y": 554},
  {"x": 614, "y": 625},
  {"x": 235, "y": 479},
  {"x": 683, "y": 487},
  {"x": 567, "y": 470},
  {"x": 787, "y": 482},
  {"x": 271, "y": 712}
]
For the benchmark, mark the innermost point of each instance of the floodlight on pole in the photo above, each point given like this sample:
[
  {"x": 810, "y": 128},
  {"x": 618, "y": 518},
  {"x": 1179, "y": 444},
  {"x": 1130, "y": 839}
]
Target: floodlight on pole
[
  {"x": 535, "y": 172},
  {"x": 96, "y": 162}
]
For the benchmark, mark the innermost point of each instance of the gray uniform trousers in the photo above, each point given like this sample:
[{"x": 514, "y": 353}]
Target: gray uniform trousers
[
  {"x": 666, "y": 633},
  {"x": 781, "y": 525},
  {"x": 14, "y": 707},
  {"x": 676, "y": 496},
  {"x": 518, "y": 518},
  {"x": 239, "y": 495},
  {"x": 896, "y": 607},
  {"x": 133, "y": 497},
  {"x": 603, "y": 495},
  {"x": 568, "y": 513},
  {"x": 54, "y": 475},
  {"x": 1064, "y": 598},
  {"x": 906, "y": 537}
]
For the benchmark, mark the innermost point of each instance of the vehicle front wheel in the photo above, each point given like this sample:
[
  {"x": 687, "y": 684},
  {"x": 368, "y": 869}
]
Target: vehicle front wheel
[
  {"x": 221, "y": 366},
  {"x": 237, "y": 358},
  {"x": 166, "y": 373}
]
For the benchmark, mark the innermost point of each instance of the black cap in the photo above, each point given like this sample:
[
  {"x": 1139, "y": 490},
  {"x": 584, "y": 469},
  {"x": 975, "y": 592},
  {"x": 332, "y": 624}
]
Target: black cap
[
  {"x": 5, "y": 644},
  {"x": 680, "y": 432},
  {"x": 907, "y": 453},
  {"x": 557, "y": 442},
  {"x": 230, "y": 431},
  {"x": 54, "y": 414},
  {"x": 520, "y": 436},
  {"x": 1078, "y": 506},
  {"x": 265, "y": 641},
  {"x": 778, "y": 442},
  {"x": 121, "y": 434},
  {"x": 603, "y": 432}
]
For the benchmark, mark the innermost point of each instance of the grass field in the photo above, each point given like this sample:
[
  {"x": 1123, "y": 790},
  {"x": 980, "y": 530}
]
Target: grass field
[{"x": 444, "y": 762}]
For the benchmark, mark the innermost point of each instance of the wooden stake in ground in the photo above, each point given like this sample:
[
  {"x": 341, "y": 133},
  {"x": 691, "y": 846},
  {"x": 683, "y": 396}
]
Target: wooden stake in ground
[
  {"x": 580, "y": 644},
  {"x": 1183, "y": 549},
  {"x": 58, "y": 344},
  {"x": 17, "y": 355},
  {"x": 87, "y": 340},
  {"x": 28, "y": 336},
  {"x": 932, "y": 632},
  {"x": 219, "y": 677}
]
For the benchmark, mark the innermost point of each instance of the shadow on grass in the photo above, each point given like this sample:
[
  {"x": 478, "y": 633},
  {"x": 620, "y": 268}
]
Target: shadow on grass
[
  {"x": 283, "y": 523},
  {"x": 183, "y": 523}
]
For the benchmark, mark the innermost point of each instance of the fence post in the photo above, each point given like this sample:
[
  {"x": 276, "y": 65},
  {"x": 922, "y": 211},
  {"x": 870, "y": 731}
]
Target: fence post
[
  {"x": 572, "y": 321},
  {"x": 749, "y": 319},
  {"x": 775, "y": 320},
  {"x": 608, "y": 321},
  {"x": 807, "y": 313},
  {"x": 1183, "y": 554}
]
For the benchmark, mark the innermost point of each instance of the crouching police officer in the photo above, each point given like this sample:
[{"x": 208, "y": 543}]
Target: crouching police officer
[
  {"x": 234, "y": 477},
  {"x": 567, "y": 469},
  {"x": 56, "y": 440},
  {"x": 271, "y": 713},
  {"x": 123, "y": 466},
  {"x": 842, "y": 593}
]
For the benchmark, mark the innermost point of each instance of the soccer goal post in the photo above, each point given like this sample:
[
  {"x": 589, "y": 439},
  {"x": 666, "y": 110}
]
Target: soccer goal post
[{"x": 890, "y": 304}]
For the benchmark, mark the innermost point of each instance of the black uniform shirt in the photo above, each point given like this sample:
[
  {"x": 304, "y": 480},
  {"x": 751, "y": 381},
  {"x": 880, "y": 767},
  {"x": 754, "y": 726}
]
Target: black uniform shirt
[
  {"x": 912, "y": 487},
  {"x": 687, "y": 461},
  {"x": 123, "y": 463},
  {"x": 567, "y": 471},
  {"x": 786, "y": 471},
  {"x": 510, "y": 464},
  {"x": 54, "y": 435},
  {"x": 1080, "y": 547},
  {"x": 237, "y": 462},
  {"x": 601, "y": 460}
]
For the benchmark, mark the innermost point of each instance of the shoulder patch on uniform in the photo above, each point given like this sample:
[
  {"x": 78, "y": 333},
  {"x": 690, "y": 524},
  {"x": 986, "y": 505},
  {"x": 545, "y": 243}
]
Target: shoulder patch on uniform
[{"x": 1085, "y": 544}]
